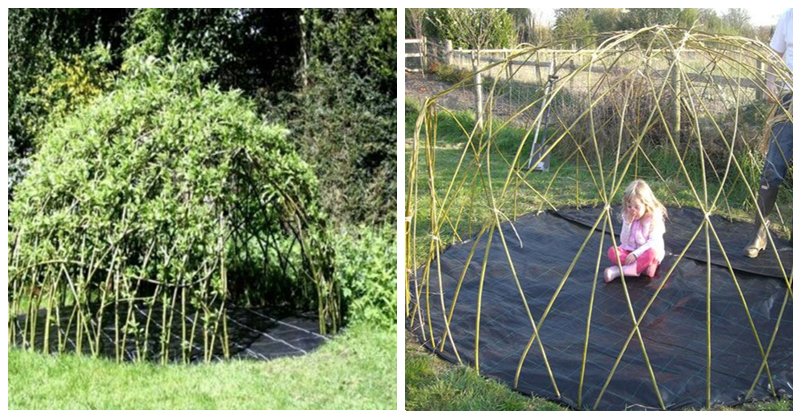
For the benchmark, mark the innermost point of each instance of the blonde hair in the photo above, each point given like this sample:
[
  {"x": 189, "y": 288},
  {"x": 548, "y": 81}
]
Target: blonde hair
[{"x": 639, "y": 189}]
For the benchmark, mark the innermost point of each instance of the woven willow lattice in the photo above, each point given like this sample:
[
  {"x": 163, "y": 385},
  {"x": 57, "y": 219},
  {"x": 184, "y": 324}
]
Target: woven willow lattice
[
  {"x": 151, "y": 211},
  {"x": 681, "y": 109}
]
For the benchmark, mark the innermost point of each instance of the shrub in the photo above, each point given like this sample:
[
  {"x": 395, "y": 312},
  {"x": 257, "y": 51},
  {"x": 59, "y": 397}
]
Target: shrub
[
  {"x": 72, "y": 82},
  {"x": 366, "y": 266},
  {"x": 17, "y": 165},
  {"x": 345, "y": 119},
  {"x": 451, "y": 74}
]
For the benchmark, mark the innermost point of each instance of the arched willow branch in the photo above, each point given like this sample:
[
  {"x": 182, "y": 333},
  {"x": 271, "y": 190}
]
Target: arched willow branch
[{"x": 680, "y": 108}]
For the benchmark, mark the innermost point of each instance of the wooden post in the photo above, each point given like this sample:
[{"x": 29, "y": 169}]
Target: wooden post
[
  {"x": 509, "y": 71},
  {"x": 423, "y": 50},
  {"x": 448, "y": 52},
  {"x": 478, "y": 91},
  {"x": 762, "y": 78},
  {"x": 676, "y": 105},
  {"x": 572, "y": 68}
]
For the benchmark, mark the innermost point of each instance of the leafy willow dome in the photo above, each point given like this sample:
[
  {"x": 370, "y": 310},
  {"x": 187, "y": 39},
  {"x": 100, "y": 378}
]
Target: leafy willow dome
[{"x": 167, "y": 194}]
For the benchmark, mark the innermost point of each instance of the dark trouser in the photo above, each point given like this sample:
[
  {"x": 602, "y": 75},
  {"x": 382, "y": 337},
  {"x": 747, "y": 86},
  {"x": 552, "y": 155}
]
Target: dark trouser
[{"x": 779, "y": 154}]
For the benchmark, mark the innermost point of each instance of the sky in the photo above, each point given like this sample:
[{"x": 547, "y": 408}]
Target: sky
[{"x": 762, "y": 16}]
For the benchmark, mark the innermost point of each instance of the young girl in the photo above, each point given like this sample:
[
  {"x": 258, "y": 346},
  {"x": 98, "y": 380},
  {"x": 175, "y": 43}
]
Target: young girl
[{"x": 642, "y": 239}]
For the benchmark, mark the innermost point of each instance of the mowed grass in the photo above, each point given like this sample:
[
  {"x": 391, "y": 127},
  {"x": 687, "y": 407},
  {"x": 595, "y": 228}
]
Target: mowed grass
[
  {"x": 434, "y": 384},
  {"x": 356, "y": 370}
]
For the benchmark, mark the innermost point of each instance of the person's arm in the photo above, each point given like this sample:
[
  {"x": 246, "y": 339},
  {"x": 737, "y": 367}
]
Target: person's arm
[
  {"x": 624, "y": 235},
  {"x": 773, "y": 91},
  {"x": 778, "y": 44},
  {"x": 656, "y": 235}
]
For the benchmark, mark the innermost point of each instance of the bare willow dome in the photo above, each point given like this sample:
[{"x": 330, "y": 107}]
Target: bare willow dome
[
  {"x": 683, "y": 110},
  {"x": 149, "y": 212}
]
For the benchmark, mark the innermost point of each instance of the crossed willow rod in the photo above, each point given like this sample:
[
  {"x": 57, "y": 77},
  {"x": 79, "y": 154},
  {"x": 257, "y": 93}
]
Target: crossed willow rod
[
  {"x": 440, "y": 208},
  {"x": 648, "y": 159},
  {"x": 88, "y": 325}
]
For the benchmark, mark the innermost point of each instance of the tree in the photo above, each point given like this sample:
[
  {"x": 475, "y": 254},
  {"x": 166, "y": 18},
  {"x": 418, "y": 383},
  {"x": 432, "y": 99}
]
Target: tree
[
  {"x": 709, "y": 20},
  {"x": 574, "y": 28},
  {"x": 476, "y": 28},
  {"x": 37, "y": 40},
  {"x": 737, "y": 22},
  {"x": 605, "y": 21},
  {"x": 524, "y": 24},
  {"x": 251, "y": 49},
  {"x": 688, "y": 17},
  {"x": 345, "y": 120},
  {"x": 542, "y": 33},
  {"x": 415, "y": 23},
  {"x": 642, "y": 18}
]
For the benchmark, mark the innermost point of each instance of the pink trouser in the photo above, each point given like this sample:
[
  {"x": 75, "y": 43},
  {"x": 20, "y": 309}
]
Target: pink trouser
[{"x": 642, "y": 262}]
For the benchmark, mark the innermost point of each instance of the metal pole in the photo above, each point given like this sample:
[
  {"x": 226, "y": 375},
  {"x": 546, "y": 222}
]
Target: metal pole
[
  {"x": 550, "y": 82},
  {"x": 478, "y": 90}
]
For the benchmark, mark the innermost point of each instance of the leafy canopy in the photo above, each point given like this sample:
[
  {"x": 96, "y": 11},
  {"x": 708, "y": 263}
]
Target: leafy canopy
[{"x": 156, "y": 179}]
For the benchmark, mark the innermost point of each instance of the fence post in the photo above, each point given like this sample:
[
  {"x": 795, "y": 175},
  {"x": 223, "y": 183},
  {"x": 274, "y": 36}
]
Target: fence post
[
  {"x": 509, "y": 70},
  {"x": 572, "y": 68},
  {"x": 762, "y": 78},
  {"x": 424, "y": 51},
  {"x": 478, "y": 91},
  {"x": 676, "y": 105},
  {"x": 538, "y": 68},
  {"x": 448, "y": 52}
]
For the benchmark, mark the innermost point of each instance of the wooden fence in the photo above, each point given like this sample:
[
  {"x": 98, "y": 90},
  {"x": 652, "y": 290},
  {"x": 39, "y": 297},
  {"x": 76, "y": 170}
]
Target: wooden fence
[
  {"x": 419, "y": 47},
  {"x": 563, "y": 59}
]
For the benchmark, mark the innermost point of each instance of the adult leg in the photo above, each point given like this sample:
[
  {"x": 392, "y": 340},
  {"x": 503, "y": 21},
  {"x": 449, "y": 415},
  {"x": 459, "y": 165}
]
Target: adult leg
[{"x": 779, "y": 158}]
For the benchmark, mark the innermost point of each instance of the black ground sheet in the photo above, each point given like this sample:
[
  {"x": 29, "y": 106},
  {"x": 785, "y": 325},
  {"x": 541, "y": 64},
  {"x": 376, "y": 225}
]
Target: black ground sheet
[
  {"x": 673, "y": 330},
  {"x": 254, "y": 333}
]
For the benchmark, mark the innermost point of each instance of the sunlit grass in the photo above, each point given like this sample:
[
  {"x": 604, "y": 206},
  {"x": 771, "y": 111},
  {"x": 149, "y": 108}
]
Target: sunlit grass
[
  {"x": 356, "y": 370},
  {"x": 433, "y": 384}
]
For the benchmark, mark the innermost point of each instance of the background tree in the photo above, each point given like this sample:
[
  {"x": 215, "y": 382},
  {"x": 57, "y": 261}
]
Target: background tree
[
  {"x": 709, "y": 20},
  {"x": 251, "y": 49},
  {"x": 605, "y": 21},
  {"x": 524, "y": 24},
  {"x": 345, "y": 121},
  {"x": 299, "y": 65},
  {"x": 542, "y": 32},
  {"x": 575, "y": 27},
  {"x": 641, "y": 18},
  {"x": 737, "y": 22},
  {"x": 415, "y": 23},
  {"x": 688, "y": 17},
  {"x": 475, "y": 28},
  {"x": 38, "y": 40}
]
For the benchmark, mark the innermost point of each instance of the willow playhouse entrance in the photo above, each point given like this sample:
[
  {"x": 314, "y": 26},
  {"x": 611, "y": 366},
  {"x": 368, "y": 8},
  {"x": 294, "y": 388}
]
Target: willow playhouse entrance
[{"x": 511, "y": 210}]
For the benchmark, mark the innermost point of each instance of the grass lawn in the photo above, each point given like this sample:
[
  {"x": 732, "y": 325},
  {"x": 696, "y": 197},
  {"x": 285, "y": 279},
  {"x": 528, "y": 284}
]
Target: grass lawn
[
  {"x": 356, "y": 370},
  {"x": 434, "y": 384}
]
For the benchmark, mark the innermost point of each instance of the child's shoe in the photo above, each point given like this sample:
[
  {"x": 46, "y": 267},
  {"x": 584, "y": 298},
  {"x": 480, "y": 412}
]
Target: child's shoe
[{"x": 611, "y": 273}]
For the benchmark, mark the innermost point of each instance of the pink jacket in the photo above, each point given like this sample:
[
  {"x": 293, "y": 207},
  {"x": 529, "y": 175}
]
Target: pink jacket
[{"x": 645, "y": 233}]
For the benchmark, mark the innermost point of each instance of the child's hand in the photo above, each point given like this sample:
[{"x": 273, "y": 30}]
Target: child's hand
[{"x": 630, "y": 259}]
